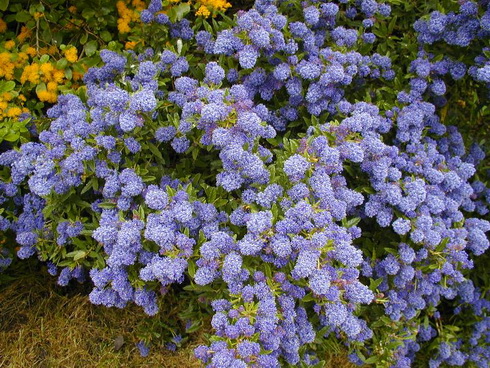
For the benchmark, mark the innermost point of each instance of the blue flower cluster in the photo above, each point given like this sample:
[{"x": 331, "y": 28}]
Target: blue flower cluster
[
  {"x": 90, "y": 149},
  {"x": 260, "y": 182},
  {"x": 459, "y": 28},
  {"x": 314, "y": 76},
  {"x": 305, "y": 239},
  {"x": 469, "y": 26}
]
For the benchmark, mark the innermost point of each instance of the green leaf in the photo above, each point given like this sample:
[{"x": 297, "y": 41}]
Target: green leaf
[
  {"x": 352, "y": 222},
  {"x": 6, "y": 86},
  {"x": 12, "y": 136},
  {"x": 68, "y": 74},
  {"x": 195, "y": 153},
  {"x": 154, "y": 149},
  {"x": 149, "y": 178},
  {"x": 373, "y": 284},
  {"x": 371, "y": 360},
  {"x": 88, "y": 186},
  {"x": 80, "y": 254},
  {"x": 178, "y": 12},
  {"x": 191, "y": 269},
  {"x": 84, "y": 38},
  {"x": 107, "y": 205},
  {"x": 88, "y": 13},
  {"x": 44, "y": 58},
  {"x": 22, "y": 16},
  {"x": 220, "y": 202},
  {"x": 442, "y": 246},
  {"x": 47, "y": 35},
  {"x": 76, "y": 254},
  {"x": 106, "y": 36},
  {"x": 392, "y": 24},
  {"x": 4, "y": 4},
  {"x": 91, "y": 47},
  {"x": 61, "y": 63}
]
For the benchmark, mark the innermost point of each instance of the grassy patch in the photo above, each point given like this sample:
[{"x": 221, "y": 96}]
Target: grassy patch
[{"x": 44, "y": 325}]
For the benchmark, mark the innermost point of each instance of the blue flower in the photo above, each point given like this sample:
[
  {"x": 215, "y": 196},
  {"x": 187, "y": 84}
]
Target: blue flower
[{"x": 248, "y": 57}]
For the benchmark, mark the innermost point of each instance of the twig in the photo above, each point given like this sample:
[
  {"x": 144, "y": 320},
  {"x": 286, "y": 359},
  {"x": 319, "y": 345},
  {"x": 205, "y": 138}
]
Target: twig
[{"x": 37, "y": 36}]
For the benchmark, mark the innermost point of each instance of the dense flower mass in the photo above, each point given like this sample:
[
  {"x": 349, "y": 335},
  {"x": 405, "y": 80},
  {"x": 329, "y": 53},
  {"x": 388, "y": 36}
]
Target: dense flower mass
[{"x": 274, "y": 182}]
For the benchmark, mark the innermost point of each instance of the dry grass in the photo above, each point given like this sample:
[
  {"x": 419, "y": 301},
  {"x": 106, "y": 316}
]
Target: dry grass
[{"x": 41, "y": 326}]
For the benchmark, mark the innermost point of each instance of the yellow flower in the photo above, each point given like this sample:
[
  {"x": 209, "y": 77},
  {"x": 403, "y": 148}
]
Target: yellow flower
[
  {"x": 3, "y": 26},
  {"x": 46, "y": 68},
  {"x": 52, "y": 86},
  {"x": 138, "y": 4},
  {"x": 9, "y": 45},
  {"x": 31, "y": 51},
  {"x": 126, "y": 15},
  {"x": 47, "y": 96},
  {"x": 58, "y": 76},
  {"x": 13, "y": 112},
  {"x": 220, "y": 5},
  {"x": 22, "y": 98},
  {"x": 123, "y": 26},
  {"x": 120, "y": 5},
  {"x": 38, "y": 15},
  {"x": 6, "y": 66},
  {"x": 7, "y": 71},
  {"x": 21, "y": 59},
  {"x": 71, "y": 54},
  {"x": 6, "y": 96},
  {"x": 123, "y": 11},
  {"x": 4, "y": 57},
  {"x": 72, "y": 9},
  {"x": 203, "y": 11},
  {"x": 30, "y": 73}
]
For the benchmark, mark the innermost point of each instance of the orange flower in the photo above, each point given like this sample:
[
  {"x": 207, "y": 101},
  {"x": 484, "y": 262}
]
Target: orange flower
[
  {"x": 52, "y": 49},
  {"x": 24, "y": 33},
  {"x": 3, "y": 26},
  {"x": 9, "y": 45},
  {"x": 77, "y": 76},
  {"x": 130, "y": 45}
]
